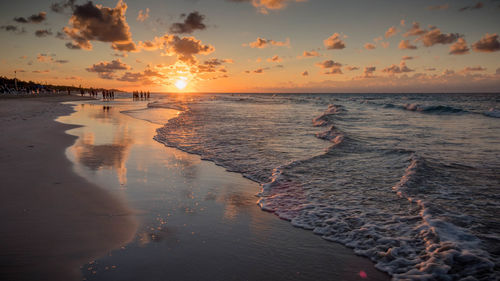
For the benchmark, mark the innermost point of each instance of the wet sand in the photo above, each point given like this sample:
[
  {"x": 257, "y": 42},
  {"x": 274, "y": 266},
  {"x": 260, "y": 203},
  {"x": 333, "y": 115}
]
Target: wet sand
[
  {"x": 196, "y": 221},
  {"x": 53, "y": 220}
]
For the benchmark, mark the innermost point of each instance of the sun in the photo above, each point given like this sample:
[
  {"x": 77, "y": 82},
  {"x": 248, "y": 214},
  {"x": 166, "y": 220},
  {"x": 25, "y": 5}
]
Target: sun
[{"x": 181, "y": 83}]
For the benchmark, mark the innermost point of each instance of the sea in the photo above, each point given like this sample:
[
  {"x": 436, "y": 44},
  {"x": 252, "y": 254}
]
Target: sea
[{"x": 411, "y": 181}]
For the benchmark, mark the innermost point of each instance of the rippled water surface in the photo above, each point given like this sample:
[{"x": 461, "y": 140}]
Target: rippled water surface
[{"x": 410, "y": 181}]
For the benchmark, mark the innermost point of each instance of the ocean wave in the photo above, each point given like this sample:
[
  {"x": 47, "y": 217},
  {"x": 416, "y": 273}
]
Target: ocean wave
[
  {"x": 324, "y": 118},
  {"x": 413, "y": 244},
  {"x": 492, "y": 112},
  {"x": 437, "y": 109},
  {"x": 169, "y": 105}
]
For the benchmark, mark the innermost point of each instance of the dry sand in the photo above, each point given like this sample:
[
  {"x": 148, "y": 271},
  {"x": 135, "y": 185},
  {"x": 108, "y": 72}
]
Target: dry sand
[{"x": 53, "y": 220}]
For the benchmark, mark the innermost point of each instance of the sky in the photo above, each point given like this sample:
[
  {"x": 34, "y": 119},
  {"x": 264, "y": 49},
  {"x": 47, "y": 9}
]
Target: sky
[{"x": 317, "y": 46}]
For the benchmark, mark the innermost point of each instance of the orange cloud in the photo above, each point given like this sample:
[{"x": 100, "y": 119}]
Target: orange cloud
[
  {"x": 275, "y": 58},
  {"x": 391, "y": 32},
  {"x": 368, "y": 72},
  {"x": 395, "y": 69},
  {"x": 261, "y": 43},
  {"x": 310, "y": 54},
  {"x": 351, "y": 68},
  {"x": 143, "y": 15},
  {"x": 265, "y": 5},
  {"x": 405, "y": 44},
  {"x": 415, "y": 30},
  {"x": 370, "y": 46},
  {"x": 435, "y": 36},
  {"x": 334, "y": 42},
  {"x": 487, "y": 44},
  {"x": 459, "y": 48},
  {"x": 185, "y": 48}
]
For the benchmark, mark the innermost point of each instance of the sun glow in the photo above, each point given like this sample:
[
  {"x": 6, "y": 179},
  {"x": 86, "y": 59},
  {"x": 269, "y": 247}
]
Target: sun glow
[{"x": 181, "y": 83}]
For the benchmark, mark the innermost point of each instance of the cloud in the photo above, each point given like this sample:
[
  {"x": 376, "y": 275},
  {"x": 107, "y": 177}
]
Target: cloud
[
  {"x": 37, "y": 18},
  {"x": 96, "y": 23},
  {"x": 142, "y": 16},
  {"x": 407, "y": 58},
  {"x": 211, "y": 65},
  {"x": 306, "y": 73},
  {"x": 351, "y": 68},
  {"x": 331, "y": 67},
  {"x": 435, "y": 36},
  {"x": 334, "y": 71},
  {"x": 405, "y": 44},
  {"x": 328, "y": 64},
  {"x": 265, "y": 5},
  {"x": 396, "y": 69},
  {"x": 60, "y": 7},
  {"x": 13, "y": 28},
  {"x": 415, "y": 30},
  {"x": 41, "y": 71},
  {"x": 43, "y": 33},
  {"x": 72, "y": 46},
  {"x": 478, "y": 5},
  {"x": 448, "y": 72},
  {"x": 261, "y": 43},
  {"x": 370, "y": 46},
  {"x": 487, "y": 44},
  {"x": 334, "y": 42},
  {"x": 473, "y": 69},
  {"x": 274, "y": 58},
  {"x": 310, "y": 54},
  {"x": 61, "y": 35},
  {"x": 385, "y": 44},
  {"x": 192, "y": 22},
  {"x": 146, "y": 76},
  {"x": 185, "y": 48},
  {"x": 368, "y": 72},
  {"x": 106, "y": 70},
  {"x": 459, "y": 48},
  {"x": 45, "y": 57},
  {"x": 49, "y": 58},
  {"x": 438, "y": 7},
  {"x": 391, "y": 32}
]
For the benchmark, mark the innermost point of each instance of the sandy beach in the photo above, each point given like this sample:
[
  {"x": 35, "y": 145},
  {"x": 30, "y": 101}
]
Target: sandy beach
[
  {"x": 53, "y": 220},
  {"x": 128, "y": 208}
]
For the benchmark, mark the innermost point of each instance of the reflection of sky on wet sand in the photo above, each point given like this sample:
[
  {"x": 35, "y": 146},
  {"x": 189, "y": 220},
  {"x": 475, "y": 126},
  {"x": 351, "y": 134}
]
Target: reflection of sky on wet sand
[{"x": 196, "y": 220}]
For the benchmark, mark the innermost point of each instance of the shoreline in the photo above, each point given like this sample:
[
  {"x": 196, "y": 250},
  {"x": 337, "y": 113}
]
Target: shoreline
[
  {"x": 53, "y": 220},
  {"x": 196, "y": 220}
]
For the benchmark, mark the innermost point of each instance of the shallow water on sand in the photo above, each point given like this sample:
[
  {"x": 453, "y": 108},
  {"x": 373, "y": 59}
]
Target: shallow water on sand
[{"x": 197, "y": 221}]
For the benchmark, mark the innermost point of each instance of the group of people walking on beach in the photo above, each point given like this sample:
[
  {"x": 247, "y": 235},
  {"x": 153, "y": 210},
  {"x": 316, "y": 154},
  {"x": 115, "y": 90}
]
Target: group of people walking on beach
[
  {"x": 140, "y": 95},
  {"x": 106, "y": 94}
]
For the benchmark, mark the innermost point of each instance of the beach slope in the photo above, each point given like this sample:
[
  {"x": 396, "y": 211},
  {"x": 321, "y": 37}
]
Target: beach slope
[{"x": 53, "y": 220}]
